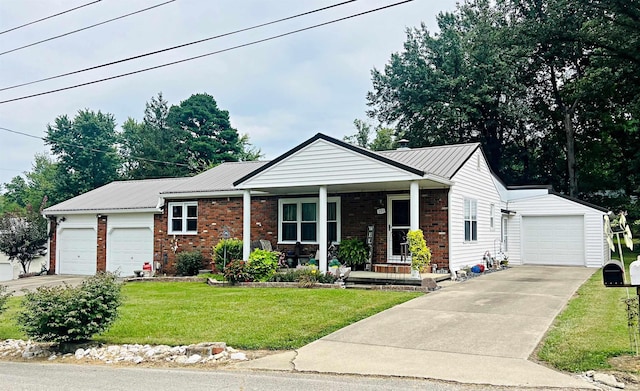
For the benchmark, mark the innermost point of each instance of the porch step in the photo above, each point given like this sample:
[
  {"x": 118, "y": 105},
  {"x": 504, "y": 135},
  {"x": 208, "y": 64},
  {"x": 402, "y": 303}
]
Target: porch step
[
  {"x": 373, "y": 278},
  {"x": 392, "y": 268}
]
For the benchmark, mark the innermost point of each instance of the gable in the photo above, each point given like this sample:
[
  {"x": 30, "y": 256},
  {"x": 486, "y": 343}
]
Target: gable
[{"x": 326, "y": 161}]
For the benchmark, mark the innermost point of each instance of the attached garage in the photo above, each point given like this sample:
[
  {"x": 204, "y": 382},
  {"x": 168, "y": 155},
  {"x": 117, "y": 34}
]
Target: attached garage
[
  {"x": 128, "y": 249},
  {"x": 77, "y": 251},
  {"x": 553, "y": 240}
]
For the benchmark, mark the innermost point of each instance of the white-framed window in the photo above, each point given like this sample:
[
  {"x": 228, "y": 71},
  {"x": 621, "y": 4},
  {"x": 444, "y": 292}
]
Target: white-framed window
[
  {"x": 492, "y": 211},
  {"x": 298, "y": 220},
  {"x": 183, "y": 217},
  {"x": 470, "y": 220}
]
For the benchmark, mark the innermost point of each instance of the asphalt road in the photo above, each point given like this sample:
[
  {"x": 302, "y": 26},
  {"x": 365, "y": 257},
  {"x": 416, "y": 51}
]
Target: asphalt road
[{"x": 16, "y": 376}]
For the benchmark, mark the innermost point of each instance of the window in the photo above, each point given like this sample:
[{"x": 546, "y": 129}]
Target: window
[
  {"x": 492, "y": 211},
  {"x": 470, "y": 220},
  {"x": 298, "y": 220},
  {"x": 183, "y": 217}
]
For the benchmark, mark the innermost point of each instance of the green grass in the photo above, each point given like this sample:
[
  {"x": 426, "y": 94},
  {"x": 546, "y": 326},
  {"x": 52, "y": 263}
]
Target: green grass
[
  {"x": 177, "y": 313},
  {"x": 8, "y": 327},
  {"x": 591, "y": 329}
]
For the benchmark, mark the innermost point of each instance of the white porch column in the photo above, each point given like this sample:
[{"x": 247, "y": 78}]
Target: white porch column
[
  {"x": 246, "y": 224},
  {"x": 322, "y": 232},
  {"x": 414, "y": 210}
]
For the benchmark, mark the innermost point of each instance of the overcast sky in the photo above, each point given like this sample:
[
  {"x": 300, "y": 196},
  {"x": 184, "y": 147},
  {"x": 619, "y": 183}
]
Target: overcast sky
[{"x": 280, "y": 92}]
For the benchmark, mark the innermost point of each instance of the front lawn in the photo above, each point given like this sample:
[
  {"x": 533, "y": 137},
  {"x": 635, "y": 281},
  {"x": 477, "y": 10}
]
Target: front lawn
[
  {"x": 248, "y": 318},
  {"x": 592, "y": 328}
]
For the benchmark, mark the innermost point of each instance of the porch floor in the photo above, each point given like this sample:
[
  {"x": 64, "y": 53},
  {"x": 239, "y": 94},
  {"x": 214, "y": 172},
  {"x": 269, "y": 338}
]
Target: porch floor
[{"x": 362, "y": 277}]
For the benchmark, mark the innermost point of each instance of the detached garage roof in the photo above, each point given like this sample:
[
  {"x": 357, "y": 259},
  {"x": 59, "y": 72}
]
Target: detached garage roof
[{"x": 119, "y": 195}]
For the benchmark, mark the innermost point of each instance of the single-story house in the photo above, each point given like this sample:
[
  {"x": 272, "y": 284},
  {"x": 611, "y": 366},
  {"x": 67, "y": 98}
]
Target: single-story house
[{"x": 320, "y": 192}]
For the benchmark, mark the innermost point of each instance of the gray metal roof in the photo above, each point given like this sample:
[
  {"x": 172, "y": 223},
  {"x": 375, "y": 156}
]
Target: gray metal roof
[
  {"x": 125, "y": 195},
  {"x": 219, "y": 178},
  {"x": 443, "y": 161}
]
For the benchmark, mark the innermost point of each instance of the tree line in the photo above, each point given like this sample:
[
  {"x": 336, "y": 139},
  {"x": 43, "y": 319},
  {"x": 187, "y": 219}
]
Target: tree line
[
  {"x": 87, "y": 151},
  {"x": 550, "y": 88}
]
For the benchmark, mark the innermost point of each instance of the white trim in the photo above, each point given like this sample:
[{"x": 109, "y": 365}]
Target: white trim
[
  {"x": 414, "y": 208},
  {"x": 246, "y": 224},
  {"x": 184, "y": 205},
  {"x": 299, "y": 202},
  {"x": 473, "y": 206}
]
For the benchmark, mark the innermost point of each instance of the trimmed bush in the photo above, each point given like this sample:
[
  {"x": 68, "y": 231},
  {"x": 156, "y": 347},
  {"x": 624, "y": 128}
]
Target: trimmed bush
[
  {"x": 233, "y": 250},
  {"x": 262, "y": 264},
  {"x": 420, "y": 253},
  {"x": 68, "y": 314},
  {"x": 189, "y": 263},
  {"x": 237, "y": 271},
  {"x": 353, "y": 252},
  {"x": 4, "y": 297}
]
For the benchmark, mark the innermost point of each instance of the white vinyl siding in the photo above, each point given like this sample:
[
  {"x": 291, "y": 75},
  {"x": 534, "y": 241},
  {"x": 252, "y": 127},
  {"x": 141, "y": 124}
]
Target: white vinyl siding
[
  {"x": 183, "y": 218},
  {"x": 298, "y": 220},
  {"x": 473, "y": 181},
  {"x": 322, "y": 163}
]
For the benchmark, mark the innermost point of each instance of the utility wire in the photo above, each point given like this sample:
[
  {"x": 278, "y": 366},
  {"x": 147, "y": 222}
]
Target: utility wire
[
  {"x": 49, "y": 17},
  {"x": 210, "y": 53},
  {"x": 93, "y": 149},
  {"x": 177, "y": 46},
  {"x": 86, "y": 28}
]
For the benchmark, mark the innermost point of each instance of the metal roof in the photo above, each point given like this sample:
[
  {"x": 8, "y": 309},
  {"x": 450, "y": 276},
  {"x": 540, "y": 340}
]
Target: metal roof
[
  {"x": 125, "y": 195},
  {"x": 443, "y": 161},
  {"x": 219, "y": 178}
]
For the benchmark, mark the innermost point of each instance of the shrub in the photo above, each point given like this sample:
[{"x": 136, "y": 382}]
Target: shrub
[
  {"x": 262, "y": 264},
  {"x": 353, "y": 252},
  {"x": 305, "y": 277},
  {"x": 237, "y": 271},
  {"x": 233, "y": 250},
  {"x": 4, "y": 297},
  {"x": 68, "y": 314},
  {"x": 189, "y": 263},
  {"x": 420, "y": 253}
]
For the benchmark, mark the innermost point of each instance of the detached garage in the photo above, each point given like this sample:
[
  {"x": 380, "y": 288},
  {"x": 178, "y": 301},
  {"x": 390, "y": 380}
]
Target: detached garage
[{"x": 553, "y": 230}]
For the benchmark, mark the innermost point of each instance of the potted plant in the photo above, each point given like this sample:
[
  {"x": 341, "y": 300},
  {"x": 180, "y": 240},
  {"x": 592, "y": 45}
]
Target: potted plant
[
  {"x": 420, "y": 253},
  {"x": 353, "y": 252}
]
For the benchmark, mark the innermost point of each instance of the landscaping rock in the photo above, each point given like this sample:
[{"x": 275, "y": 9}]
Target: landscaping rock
[
  {"x": 238, "y": 356},
  {"x": 607, "y": 380},
  {"x": 193, "y": 359}
]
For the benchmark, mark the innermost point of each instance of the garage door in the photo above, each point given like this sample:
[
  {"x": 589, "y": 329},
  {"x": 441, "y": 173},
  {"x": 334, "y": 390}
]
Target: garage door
[
  {"x": 77, "y": 251},
  {"x": 128, "y": 249},
  {"x": 553, "y": 240}
]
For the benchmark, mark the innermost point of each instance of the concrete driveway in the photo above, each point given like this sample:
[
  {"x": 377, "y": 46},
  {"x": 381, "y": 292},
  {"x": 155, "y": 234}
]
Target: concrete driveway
[
  {"x": 31, "y": 283},
  {"x": 480, "y": 331}
]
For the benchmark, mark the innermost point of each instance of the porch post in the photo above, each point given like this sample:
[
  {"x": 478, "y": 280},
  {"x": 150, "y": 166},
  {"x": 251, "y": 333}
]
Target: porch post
[
  {"x": 414, "y": 192},
  {"x": 246, "y": 224},
  {"x": 322, "y": 232}
]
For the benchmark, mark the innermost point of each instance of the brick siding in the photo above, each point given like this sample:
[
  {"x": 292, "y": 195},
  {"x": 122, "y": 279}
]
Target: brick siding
[{"x": 101, "y": 243}]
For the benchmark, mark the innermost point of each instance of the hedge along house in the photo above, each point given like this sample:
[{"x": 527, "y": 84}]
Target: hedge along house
[{"x": 325, "y": 190}]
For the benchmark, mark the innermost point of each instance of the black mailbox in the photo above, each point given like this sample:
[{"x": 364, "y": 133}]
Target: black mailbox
[{"x": 613, "y": 274}]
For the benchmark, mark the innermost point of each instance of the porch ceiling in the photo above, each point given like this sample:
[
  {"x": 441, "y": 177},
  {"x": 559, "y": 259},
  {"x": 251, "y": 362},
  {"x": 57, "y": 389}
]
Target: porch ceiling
[{"x": 354, "y": 187}]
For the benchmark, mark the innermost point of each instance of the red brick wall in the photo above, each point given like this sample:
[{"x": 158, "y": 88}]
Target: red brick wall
[
  {"x": 53, "y": 242},
  {"x": 213, "y": 216},
  {"x": 101, "y": 243},
  {"x": 358, "y": 210},
  {"x": 434, "y": 222}
]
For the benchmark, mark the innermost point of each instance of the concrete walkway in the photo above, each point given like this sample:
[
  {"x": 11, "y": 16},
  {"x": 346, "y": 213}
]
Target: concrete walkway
[{"x": 480, "y": 331}]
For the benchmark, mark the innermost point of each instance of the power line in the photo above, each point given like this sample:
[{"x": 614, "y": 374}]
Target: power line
[
  {"x": 49, "y": 17},
  {"x": 177, "y": 46},
  {"x": 93, "y": 149},
  {"x": 86, "y": 28},
  {"x": 208, "y": 54}
]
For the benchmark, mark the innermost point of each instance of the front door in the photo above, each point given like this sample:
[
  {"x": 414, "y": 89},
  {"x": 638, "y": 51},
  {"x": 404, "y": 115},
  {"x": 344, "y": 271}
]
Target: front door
[{"x": 398, "y": 223}]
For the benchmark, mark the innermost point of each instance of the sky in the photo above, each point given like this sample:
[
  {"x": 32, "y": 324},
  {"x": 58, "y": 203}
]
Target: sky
[{"x": 279, "y": 93}]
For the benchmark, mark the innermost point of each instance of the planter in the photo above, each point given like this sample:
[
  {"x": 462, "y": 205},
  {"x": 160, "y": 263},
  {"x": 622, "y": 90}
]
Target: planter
[{"x": 415, "y": 273}]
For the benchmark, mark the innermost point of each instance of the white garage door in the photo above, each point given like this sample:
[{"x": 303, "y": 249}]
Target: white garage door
[
  {"x": 553, "y": 240},
  {"x": 77, "y": 251},
  {"x": 128, "y": 249}
]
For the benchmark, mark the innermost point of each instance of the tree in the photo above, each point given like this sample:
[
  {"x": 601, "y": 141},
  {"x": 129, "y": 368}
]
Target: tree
[
  {"x": 86, "y": 151},
  {"x": 384, "y": 137},
  {"x": 152, "y": 148},
  {"x": 206, "y": 130},
  {"x": 24, "y": 237},
  {"x": 40, "y": 182}
]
